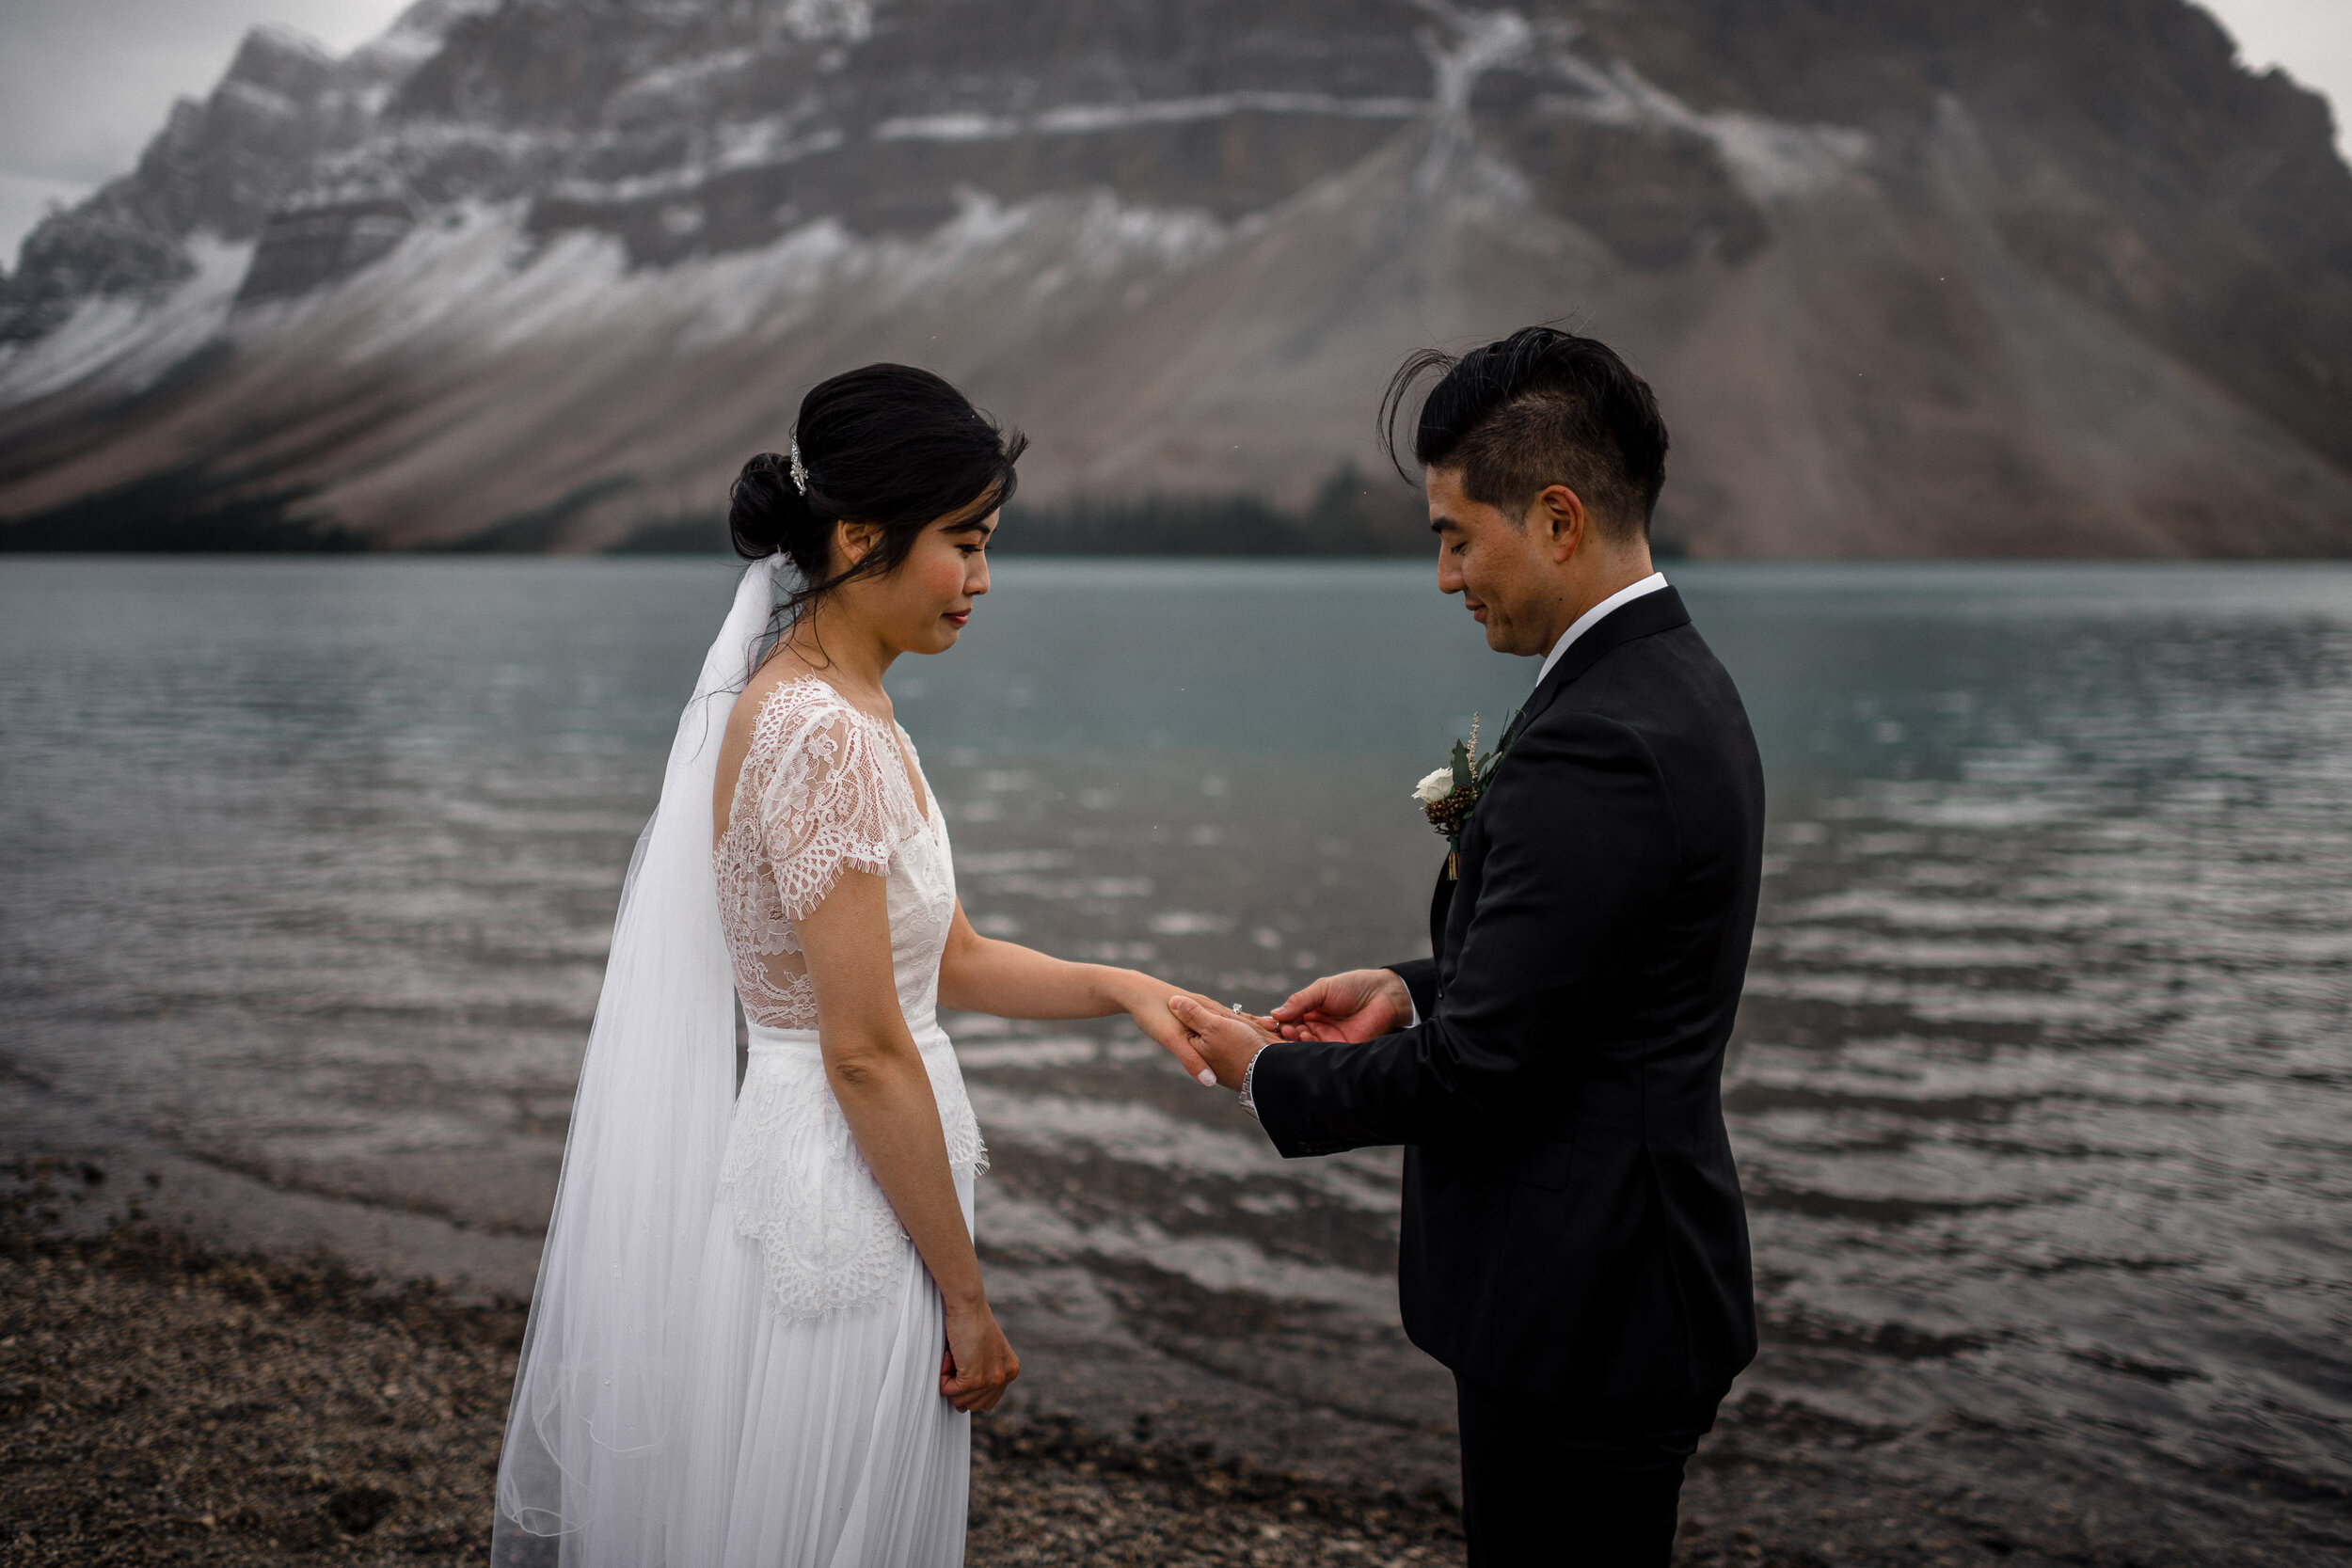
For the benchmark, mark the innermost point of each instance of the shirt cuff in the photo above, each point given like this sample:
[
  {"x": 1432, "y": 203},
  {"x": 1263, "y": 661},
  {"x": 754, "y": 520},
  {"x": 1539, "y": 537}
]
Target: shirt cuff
[{"x": 1250, "y": 1084}]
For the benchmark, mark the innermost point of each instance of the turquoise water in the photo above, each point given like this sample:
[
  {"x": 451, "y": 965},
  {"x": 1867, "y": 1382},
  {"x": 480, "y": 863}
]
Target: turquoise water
[{"x": 2043, "y": 1080}]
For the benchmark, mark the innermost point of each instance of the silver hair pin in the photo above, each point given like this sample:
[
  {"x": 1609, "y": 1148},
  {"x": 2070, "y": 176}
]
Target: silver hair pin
[{"x": 799, "y": 469}]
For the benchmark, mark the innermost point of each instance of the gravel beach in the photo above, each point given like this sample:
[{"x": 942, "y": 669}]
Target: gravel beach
[{"x": 164, "y": 1402}]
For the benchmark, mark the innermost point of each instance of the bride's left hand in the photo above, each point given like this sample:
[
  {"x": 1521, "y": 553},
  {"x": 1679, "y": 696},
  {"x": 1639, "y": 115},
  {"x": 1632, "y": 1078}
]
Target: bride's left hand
[
  {"x": 1146, "y": 1001},
  {"x": 1225, "y": 1037}
]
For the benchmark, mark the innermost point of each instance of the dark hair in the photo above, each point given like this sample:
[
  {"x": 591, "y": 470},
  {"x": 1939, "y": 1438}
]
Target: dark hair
[
  {"x": 888, "y": 445},
  {"x": 1539, "y": 408}
]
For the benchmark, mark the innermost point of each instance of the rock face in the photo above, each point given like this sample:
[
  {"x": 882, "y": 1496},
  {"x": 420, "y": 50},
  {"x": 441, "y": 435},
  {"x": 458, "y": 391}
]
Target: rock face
[{"x": 1912, "y": 276}]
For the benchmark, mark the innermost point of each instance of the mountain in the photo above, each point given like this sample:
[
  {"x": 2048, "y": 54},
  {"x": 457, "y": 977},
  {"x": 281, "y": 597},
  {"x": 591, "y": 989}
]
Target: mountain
[{"x": 1912, "y": 276}]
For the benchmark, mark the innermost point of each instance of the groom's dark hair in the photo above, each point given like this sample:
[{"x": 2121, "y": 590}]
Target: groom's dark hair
[{"x": 1539, "y": 408}]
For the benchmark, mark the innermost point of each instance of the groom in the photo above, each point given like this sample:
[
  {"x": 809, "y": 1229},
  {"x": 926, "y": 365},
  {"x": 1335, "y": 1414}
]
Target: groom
[{"x": 1574, "y": 1244}]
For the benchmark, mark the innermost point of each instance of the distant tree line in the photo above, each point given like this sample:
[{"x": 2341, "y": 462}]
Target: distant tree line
[
  {"x": 184, "y": 508},
  {"x": 1350, "y": 514}
]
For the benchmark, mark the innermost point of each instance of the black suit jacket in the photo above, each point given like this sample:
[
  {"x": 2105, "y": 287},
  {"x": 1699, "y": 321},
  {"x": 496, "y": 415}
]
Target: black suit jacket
[{"x": 1573, "y": 1226}]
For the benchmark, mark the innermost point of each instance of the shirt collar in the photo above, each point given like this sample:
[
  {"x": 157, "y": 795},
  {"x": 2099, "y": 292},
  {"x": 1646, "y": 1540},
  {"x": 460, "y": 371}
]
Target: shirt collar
[{"x": 1592, "y": 617}]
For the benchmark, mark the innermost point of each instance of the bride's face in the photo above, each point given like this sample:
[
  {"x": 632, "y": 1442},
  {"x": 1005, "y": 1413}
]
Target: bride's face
[{"x": 922, "y": 606}]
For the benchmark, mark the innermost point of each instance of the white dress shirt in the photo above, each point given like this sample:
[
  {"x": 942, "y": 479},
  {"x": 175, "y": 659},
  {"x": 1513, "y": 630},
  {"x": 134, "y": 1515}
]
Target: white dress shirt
[{"x": 1594, "y": 616}]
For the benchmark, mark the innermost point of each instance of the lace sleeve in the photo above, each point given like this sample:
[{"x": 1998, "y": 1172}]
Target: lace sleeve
[{"x": 832, "y": 799}]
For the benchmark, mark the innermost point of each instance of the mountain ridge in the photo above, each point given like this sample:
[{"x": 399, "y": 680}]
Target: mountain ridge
[{"x": 1911, "y": 279}]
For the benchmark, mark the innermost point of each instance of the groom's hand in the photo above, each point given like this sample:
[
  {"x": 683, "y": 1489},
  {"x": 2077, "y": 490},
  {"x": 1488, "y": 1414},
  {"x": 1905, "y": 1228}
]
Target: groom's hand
[
  {"x": 1220, "y": 1036},
  {"x": 1350, "y": 1009}
]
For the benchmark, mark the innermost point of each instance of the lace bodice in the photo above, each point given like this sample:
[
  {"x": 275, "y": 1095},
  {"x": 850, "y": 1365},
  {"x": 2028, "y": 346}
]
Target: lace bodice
[{"x": 824, "y": 789}]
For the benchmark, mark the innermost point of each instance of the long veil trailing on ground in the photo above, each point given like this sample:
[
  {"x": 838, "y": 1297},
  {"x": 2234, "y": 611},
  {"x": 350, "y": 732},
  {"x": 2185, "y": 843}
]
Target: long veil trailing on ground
[{"x": 596, "y": 1436}]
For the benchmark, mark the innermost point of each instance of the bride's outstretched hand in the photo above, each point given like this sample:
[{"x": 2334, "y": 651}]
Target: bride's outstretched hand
[
  {"x": 1225, "y": 1038},
  {"x": 978, "y": 1364},
  {"x": 1148, "y": 1006},
  {"x": 1350, "y": 1009}
]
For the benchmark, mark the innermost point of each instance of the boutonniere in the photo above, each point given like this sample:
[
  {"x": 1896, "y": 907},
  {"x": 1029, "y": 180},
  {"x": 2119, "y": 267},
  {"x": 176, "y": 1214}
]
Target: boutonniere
[{"x": 1449, "y": 794}]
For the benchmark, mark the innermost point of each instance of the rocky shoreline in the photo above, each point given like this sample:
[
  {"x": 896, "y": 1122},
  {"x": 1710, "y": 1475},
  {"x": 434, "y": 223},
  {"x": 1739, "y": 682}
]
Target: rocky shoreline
[
  {"x": 160, "y": 1403},
  {"x": 165, "y": 1402}
]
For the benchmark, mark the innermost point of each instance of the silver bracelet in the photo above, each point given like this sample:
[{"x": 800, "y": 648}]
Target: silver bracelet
[{"x": 1249, "y": 1082}]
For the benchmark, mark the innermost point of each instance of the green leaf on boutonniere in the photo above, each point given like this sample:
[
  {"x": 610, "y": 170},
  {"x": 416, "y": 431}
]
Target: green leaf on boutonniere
[{"x": 1463, "y": 777}]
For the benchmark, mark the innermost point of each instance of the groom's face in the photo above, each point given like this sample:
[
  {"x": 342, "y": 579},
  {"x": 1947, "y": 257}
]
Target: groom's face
[{"x": 1504, "y": 573}]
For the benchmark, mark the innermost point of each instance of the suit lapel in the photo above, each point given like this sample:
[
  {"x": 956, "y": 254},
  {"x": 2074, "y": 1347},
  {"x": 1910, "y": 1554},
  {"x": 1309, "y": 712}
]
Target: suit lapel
[
  {"x": 1440, "y": 905},
  {"x": 1644, "y": 617}
]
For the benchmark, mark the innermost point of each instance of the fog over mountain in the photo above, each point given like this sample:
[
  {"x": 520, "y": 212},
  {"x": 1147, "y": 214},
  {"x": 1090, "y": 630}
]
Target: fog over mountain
[{"x": 1964, "y": 277}]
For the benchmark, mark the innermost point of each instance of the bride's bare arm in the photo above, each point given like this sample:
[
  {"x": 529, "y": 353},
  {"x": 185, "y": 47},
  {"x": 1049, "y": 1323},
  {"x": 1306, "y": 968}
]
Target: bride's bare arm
[
  {"x": 980, "y": 974},
  {"x": 885, "y": 1092}
]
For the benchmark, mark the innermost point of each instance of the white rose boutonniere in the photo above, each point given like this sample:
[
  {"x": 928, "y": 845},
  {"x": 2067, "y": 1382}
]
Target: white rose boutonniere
[{"x": 1448, "y": 794}]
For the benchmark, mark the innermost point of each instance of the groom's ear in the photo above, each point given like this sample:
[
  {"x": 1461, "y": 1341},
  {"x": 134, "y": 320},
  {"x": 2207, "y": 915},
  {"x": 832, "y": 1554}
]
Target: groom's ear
[{"x": 1558, "y": 520}]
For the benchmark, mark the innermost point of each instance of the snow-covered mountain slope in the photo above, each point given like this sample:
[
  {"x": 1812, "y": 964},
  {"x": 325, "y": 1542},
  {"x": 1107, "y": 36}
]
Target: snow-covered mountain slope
[{"x": 1977, "y": 276}]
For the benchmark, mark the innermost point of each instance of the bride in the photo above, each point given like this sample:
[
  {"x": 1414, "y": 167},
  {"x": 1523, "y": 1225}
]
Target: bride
[{"x": 760, "y": 1325}]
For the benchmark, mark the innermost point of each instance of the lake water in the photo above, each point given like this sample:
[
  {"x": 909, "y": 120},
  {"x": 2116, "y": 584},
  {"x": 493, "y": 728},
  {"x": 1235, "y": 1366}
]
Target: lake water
[{"x": 2043, "y": 1090}]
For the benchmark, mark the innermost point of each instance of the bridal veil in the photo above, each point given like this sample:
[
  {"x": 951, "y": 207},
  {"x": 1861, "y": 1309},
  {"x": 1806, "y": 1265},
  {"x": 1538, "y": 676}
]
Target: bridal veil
[{"x": 598, "y": 1432}]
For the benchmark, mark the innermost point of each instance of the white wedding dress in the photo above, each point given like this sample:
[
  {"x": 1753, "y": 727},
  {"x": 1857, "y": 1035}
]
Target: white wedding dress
[
  {"x": 824, "y": 1331},
  {"x": 733, "y": 1355}
]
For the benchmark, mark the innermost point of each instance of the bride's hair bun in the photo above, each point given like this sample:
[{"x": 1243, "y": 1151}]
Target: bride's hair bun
[{"x": 767, "y": 512}]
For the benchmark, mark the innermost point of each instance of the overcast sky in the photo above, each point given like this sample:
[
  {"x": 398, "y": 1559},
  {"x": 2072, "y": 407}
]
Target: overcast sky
[{"x": 84, "y": 83}]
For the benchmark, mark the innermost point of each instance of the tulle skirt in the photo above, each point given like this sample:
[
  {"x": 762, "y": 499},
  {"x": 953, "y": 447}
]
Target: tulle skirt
[
  {"x": 796, "y": 1442},
  {"x": 823, "y": 1442}
]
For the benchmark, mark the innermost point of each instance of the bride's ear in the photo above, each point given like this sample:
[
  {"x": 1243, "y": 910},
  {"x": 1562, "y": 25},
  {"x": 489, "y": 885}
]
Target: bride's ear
[{"x": 855, "y": 540}]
